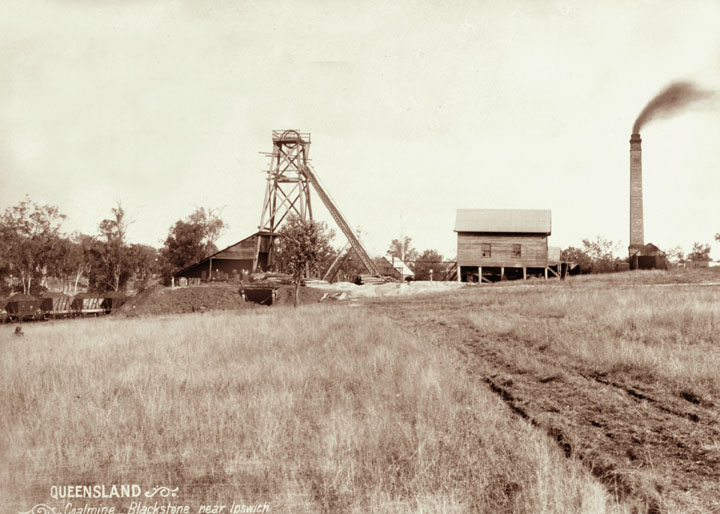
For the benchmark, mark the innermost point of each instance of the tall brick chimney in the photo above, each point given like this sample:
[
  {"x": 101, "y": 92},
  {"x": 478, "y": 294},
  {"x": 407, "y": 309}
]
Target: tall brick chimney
[{"x": 636, "y": 195}]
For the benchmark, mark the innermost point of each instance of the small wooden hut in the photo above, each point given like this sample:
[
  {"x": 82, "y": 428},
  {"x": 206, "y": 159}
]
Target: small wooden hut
[{"x": 648, "y": 256}]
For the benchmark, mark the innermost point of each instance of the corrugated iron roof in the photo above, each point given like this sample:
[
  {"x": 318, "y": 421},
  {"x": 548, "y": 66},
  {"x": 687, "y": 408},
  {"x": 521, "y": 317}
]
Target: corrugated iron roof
[{"x": 530, "y": 221}]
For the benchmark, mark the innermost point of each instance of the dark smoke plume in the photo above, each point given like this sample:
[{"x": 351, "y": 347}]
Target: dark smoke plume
[{"x": 669, "y": 101}]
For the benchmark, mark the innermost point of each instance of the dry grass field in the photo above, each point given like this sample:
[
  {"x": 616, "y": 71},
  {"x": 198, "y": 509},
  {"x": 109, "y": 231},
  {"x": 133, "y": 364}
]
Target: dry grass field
[
  {"x": 621, "y": 370},
  {"x": 322, "y": 409},
  {"x": 580, "y": 396}
]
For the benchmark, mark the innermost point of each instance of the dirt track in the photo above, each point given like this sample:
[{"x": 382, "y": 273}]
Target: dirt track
[{"x": 655, "y": 450}]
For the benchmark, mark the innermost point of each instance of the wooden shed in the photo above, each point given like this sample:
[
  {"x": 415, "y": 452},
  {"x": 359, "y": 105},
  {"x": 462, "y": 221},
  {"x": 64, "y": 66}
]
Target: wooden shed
[
  {"x": 647, "y": 256},
  {"x": 502, "y": 243},
  {"x": 394, "y": 267},
  {"x": 230, "y": 263}
]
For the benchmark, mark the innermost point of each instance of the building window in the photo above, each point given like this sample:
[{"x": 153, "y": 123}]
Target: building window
[
  {"x": 517, "y": 252},
  {"x": 486, "y": 249}
]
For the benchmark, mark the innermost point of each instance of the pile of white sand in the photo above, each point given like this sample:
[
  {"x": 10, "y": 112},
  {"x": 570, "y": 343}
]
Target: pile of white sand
[{"x": 348, "y": 291}]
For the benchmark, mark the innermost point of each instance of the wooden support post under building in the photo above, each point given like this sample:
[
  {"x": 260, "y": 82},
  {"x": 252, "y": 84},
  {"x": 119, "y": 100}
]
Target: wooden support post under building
[
  {"x": 502, "y": 272},
  {"x": 524, "y": 273},
  {"x": 479, "y": 274},
  {"x": 546, "y": 272},
  {"x": 459, "y": 276}
]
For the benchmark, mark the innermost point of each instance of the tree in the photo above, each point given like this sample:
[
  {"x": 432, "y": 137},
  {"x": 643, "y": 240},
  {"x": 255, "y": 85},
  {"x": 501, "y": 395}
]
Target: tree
[
  {"x": 211, "y": 224},
  {"x": 301, "y": 241},
  {"x": 429, "y": 260},
  {"x": 68, "y": 261},
  {"x": 190, "y": 240},
  {"x": 144, "y": 262},
  {"x": 573, "y": 254},
  {"x": 114, "y": 229},
  {"x": 675, "y": 255},
  {"x": 596, "y": 255},
  {"x": 402, "y": 250},
  {"x": 28, "y": 233},
  {"x": 325, "y": 252},
  {"x": 700, "y": 253},
  {"x": 109, "y": 256},
  {"x": 602, "y": 253}
]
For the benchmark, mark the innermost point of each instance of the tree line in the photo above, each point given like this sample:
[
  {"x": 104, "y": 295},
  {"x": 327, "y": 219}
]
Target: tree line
[
  {"x": 34, "y": 249},
  {"x": 599, "y": 255}
]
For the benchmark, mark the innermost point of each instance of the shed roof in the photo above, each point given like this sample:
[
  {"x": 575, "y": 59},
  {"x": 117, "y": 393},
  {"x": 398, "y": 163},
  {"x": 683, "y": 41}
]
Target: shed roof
[
  {"x": 232, "y": 252},
  {"x": 527, "y": 221},
  {"x": 649, "y": 250},
  {"x": 399, "y": 266}
]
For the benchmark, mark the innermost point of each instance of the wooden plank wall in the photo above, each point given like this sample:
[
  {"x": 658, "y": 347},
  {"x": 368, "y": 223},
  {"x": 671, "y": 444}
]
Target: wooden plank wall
[{"x": 534, "y": 250}]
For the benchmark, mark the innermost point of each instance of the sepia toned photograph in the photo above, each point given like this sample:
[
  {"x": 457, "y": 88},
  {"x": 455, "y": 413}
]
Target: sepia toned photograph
[{"x": 423, "y": 256}]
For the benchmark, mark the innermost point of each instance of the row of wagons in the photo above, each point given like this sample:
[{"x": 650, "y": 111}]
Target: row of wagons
[{"x": 24, "y": 307}]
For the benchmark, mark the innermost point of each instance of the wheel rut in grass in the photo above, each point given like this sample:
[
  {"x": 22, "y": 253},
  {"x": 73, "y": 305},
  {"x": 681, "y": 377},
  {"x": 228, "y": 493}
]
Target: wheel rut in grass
[{"x": 651, "y": 447}]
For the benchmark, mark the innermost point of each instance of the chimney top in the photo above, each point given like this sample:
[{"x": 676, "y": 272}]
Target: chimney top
[{"x": 635, "y": 138}]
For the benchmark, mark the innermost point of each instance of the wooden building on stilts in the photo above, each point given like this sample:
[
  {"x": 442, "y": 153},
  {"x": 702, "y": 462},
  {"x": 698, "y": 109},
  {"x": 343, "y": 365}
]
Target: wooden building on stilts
[{"x": 497, "y": 244}]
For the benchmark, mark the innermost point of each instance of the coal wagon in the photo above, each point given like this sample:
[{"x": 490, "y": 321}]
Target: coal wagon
[
  {"x": 87, "y": 304},
  {"x": 113, "y": 300},
  {"x": 56, "y": 305},
  {"x": 21, "y": 307}
]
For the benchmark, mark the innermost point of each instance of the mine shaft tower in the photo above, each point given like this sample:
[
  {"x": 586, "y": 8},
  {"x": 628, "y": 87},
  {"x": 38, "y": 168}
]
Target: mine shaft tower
[
  {"x": 288, "y": 189},
  {"x": 288, "y": 192}
]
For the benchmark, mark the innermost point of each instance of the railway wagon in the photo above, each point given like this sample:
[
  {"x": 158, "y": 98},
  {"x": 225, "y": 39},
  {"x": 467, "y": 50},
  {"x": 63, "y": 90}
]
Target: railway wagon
[
  {"x": 113, "y": 300},
  {"x": 87, "y": 304},
  {"x": 22, "y": 307},
  {"x": 56, "y": 305}
]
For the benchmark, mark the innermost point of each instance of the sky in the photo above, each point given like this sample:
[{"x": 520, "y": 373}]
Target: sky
[{"x": 416, "y": 109}]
